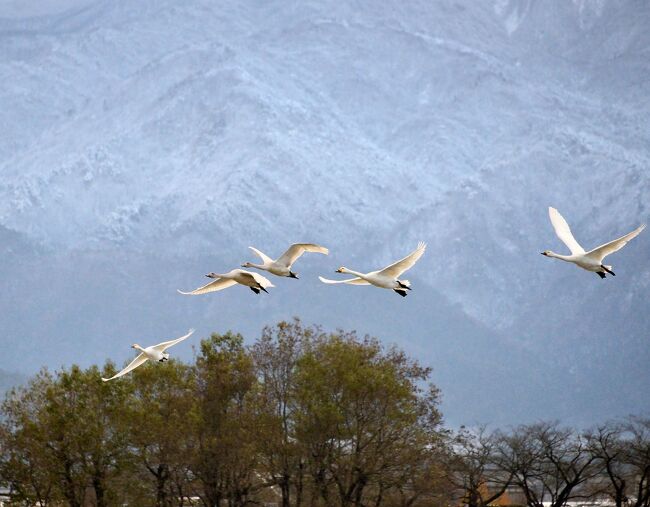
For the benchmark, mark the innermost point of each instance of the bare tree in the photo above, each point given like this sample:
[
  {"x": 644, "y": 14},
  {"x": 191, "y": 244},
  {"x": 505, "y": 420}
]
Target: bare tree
[
  {"x": 638, "y": 457},
  {"x": 623, "y": 449},
  {"x": 473, "y": 467},
  {"x": 608, "y": 446},
  {"x": 550, "y": 464}
]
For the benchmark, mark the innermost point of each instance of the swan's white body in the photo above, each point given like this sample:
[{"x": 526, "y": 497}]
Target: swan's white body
[
  {"x": 282, "y": 265},
  {"x": 386, "y": 278},
  {"x": 255, "y": 281},
  {"x": 593, "y": 259},
  {"x": 154, "y": 352}
]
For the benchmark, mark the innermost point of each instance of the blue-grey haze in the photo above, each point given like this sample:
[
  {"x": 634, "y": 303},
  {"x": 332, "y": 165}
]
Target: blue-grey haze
[{"x": 143, "y": 144}]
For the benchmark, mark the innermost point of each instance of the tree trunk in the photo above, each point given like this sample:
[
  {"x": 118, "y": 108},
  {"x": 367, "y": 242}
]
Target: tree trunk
[
  {"x": 98, "y": 486},
  {"x": 285, "y": 488},
  {"x": 162, "y": 475},
  {"x": 319, "y": 480},
  {"x": 299, "y": 485},
  {"x": 68, "y": 486},
  {"x": 358, "y": 493},
  {"x": 619, "y": 497},
  {"x": 472, "y": 500}
]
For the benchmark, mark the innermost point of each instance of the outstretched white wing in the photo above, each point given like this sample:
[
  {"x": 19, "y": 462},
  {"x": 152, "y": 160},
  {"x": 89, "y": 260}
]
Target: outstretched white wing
[
  {"x": 218, "y": 284},
  {"x": 297, "y": 249},
  {"x": 265, "y": 258},
  {"x": 564, "y": 232},
  {"x": 141, "y": 358},
  {"x": 603, "y": 251},
  {"x": 397, "y": 268},
  {"x": 351, "y": 281},
  {"x": 165, "y": 345}
]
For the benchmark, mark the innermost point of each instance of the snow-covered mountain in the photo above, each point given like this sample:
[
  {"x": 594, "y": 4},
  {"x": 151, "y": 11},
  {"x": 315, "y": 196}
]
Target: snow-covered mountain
[{"x": 144, "y": 144}]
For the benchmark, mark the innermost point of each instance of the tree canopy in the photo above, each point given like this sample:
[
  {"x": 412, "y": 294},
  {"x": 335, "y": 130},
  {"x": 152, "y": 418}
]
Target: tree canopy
[{"x": 298, "y": 417}]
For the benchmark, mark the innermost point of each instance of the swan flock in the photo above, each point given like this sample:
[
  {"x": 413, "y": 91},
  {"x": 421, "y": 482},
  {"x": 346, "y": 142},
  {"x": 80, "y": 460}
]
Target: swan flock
[{"x": 386, "y": 278}]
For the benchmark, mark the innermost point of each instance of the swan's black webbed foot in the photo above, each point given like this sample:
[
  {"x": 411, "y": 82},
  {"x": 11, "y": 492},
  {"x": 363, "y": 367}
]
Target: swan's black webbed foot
[
  {"x": 601, "y": 274},
  {"x": 255, "y": 290},
  {"x": 401, "y": 292},
  {"x": 608, "y": 270}
]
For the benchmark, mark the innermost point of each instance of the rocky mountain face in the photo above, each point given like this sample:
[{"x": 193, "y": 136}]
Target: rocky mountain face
[{"x": 143, "y": 145}]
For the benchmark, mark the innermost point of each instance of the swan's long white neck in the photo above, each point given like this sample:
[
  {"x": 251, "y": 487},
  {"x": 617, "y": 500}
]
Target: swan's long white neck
[
  {"x": 253, "y": 265},
  {"x": 355, "y": 273},
  {"x": 567, "y": 258}
]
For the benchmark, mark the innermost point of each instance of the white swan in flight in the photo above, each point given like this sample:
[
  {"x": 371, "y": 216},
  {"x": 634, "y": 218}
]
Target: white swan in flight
[
  {"x": 282, "y": 265},
  {"x": 254, "y": 281},
  {"x": 386, "y": 278},
  {"x": 154, "y": 352},
  {"x": 593, "y": 259}
]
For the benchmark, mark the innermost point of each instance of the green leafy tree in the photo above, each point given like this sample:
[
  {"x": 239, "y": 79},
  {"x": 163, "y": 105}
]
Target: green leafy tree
[
  {"x": 90, "y": 453},
  {"x": 62, "y": 439},
  {"x": 160, "y": 417},
  {"x": 360, "y": 409},
  {"x": 276, "y": 355},
  {"x": 226, "y": 462},
  {"x": 24, "y": 468}
]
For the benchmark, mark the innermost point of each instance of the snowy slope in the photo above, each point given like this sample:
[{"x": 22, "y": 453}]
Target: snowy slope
[{"x": 142, "y": 144}]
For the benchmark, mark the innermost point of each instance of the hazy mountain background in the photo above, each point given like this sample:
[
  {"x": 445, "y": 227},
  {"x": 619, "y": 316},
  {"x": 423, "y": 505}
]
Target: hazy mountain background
[{"x": 143, "y": 144}]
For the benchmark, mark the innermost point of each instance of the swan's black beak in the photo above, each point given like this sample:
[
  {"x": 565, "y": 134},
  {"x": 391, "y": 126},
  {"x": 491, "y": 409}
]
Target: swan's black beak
[{"x": 544, "y": 254}]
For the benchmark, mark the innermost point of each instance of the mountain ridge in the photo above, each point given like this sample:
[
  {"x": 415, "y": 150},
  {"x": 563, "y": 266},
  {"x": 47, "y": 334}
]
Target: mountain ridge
[{"x": 159, "y": 141}]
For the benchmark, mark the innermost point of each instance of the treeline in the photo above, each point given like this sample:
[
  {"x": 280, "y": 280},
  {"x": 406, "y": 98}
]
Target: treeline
[
  {"x": 547, "y": 465},
  {"x": 300, "y": 418}
]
